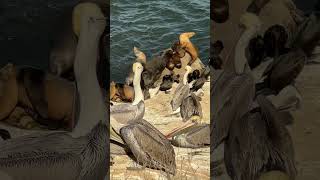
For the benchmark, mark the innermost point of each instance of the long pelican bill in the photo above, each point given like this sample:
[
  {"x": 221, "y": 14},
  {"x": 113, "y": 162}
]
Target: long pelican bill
[
  {"x": 182, "y": 127},
  {"x": 115, "y": 136}
]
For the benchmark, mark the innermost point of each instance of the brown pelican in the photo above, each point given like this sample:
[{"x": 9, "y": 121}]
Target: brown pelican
[
  {"x": 244, "y": 127},
  {"x": 140, "y": 57},
  {"x": 147, "y": 144},
  {"x": 167, "y": 81},
  {"x": 125, "y": 112},
  {"x": 192, "y": 137},
  {"x": 287, "y": 67},
  {"x": 190, "y": 108},
  {"x": 215, "y": 61},
  {"x": 83, "y": 153},
  {"x": 182, "y": 91},
  {"x": 259, "y": 142}
]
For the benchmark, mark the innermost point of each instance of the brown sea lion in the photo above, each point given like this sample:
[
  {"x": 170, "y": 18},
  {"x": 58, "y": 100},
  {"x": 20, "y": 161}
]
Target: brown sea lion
[
  {"x": 185, "y": 42},
  {"x": 64, "y": 47},
  {"x": 8, "y": 90},
  {"x": 48, "y": 99},
  {"x": 113, "y": 90},
  {"x": 122, "y": 92},
  {"x": 51, "y": 97}
]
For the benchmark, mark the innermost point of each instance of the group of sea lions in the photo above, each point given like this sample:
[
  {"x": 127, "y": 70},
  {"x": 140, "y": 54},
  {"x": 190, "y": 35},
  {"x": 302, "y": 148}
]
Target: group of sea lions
[{"x": 161, "y": 71}]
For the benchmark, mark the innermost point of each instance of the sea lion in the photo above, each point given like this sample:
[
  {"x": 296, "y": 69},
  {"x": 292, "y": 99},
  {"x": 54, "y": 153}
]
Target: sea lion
[
  {"x": 185, "y": 42},
  {"x": 40, "y": 93},
  {"x": 8, "y": 90},
  {"x": 113, "y": 90},
  {"x": 64, "y": 47},
  {"x": 121, "y": 92},
  {"x": 44, "y": 93}
]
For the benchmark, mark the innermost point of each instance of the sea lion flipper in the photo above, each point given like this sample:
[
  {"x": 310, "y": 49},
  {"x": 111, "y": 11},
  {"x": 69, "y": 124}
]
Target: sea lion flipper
[{"x": 34, "y": 82}]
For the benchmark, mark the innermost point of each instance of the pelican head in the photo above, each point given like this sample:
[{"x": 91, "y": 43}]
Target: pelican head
[
  {"x": 82, "y": 10},
  {"x": 137, "y": 68}
]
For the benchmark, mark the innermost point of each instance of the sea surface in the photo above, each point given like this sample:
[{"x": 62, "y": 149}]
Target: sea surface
[
  {"x": 153, "y": 26},
  {"x": 27, "y": 27}
]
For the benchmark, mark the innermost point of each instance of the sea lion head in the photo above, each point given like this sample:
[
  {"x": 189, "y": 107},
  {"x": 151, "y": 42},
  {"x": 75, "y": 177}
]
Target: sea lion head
[
  {"x": 113, "y": 89},
  {"x": 185, "y": 37},
  {"x": 141, "y": 57},
  {"x": 178, "y": 49},
  {"x": 8, "y": 90}
]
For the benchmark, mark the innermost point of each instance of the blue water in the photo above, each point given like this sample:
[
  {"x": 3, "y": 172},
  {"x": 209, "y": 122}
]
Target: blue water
[{"x": 153, "y": 26}]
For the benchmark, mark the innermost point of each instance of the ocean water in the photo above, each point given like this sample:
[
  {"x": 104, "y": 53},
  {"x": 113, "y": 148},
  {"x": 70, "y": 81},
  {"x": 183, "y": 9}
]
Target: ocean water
[
  {"x": 153, "y": 26},
  {"x": 27, "y": 28}
]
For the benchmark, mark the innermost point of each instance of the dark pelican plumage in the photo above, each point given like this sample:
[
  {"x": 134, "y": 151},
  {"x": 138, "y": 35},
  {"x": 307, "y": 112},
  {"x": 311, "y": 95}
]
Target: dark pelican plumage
[
  {"x": 83, "y": 153},
  {"x": 286, "y": 67},
  {"x": 219, "y": 11},
  {"x": 256, "y": 139},
  {"x": 259, "y": 142},
  {"x": 190, "y": 108}
]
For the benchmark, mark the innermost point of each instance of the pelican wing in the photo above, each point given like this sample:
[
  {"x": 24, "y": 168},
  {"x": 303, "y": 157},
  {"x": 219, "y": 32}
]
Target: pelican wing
[
  {"x": 231, "y": 97},
  {"x": 180, "y": 93},
  {"x": 52, "y": 156},
  {"x": 124, "y": 113},
  {"x": 281, "y": 148},
  {"x": 198, "y": 84},
  {"x": 191, "y": 107},
  {"x": 149, "y": 146},
  {"x": 34, "y": 145}
]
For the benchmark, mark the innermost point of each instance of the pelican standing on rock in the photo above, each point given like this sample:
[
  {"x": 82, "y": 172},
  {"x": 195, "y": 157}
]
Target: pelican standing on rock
[
  {"x": 182, "y": 90},
  {"x": 125, "y": 112},
  {"x": 148, "y": 145},
  {"x": 83, "y": 153},
  {"x": 141, "y": 58}
]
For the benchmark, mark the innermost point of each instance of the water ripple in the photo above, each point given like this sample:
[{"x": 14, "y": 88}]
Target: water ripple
[{"x": 153, "y": 26}]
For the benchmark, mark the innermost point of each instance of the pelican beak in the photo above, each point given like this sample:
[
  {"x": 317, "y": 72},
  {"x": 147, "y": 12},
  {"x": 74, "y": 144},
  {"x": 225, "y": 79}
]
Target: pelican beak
[
  {"x": 114, "y": 136},
  {"x": 182, "y": 127}
]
